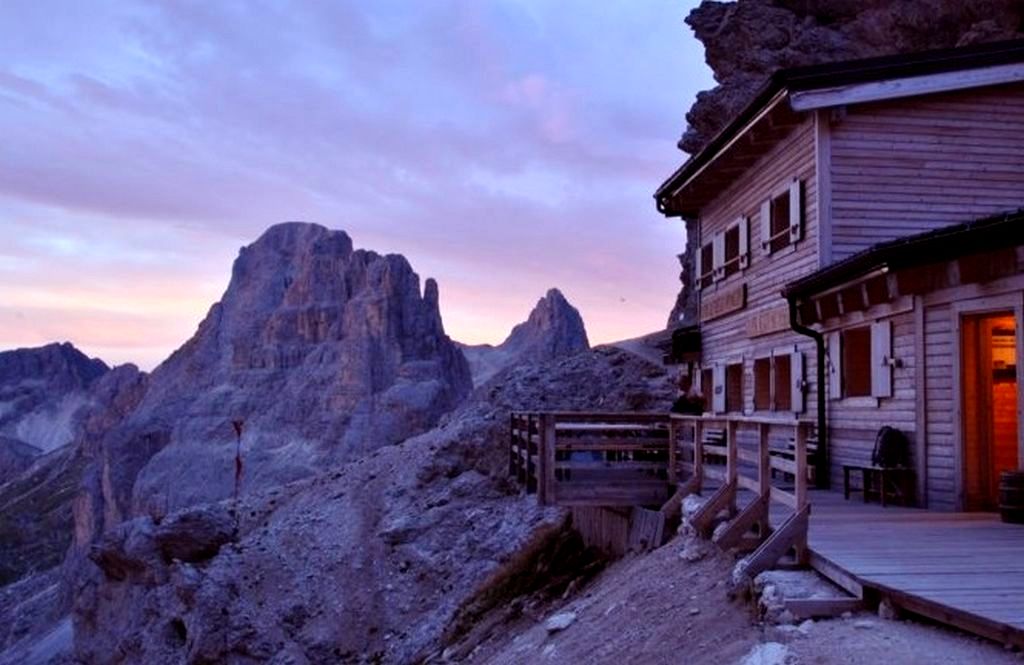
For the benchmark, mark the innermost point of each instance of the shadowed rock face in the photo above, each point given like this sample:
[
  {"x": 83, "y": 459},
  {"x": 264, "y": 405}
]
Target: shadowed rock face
[
  {"x": 372, "y": 561},
  {"x": 553, "y": 329},
  {"x": 325, "y": 353},
  {"x": 745, "y": 41},
  {"x": 42, "y": 391}
]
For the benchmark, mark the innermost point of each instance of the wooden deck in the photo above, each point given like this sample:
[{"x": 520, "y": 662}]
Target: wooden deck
[{"x": 963, "y": 569}]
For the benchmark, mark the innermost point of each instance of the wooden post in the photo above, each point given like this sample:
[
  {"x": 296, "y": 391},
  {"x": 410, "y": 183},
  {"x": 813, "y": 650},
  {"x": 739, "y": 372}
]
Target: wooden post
[
  {"x": 512, "y": 466},
  {"x": 698, "y": 453},
  {"x": 673, "y": 435},
  {"x": 764, "y": 469},
  {"x": 542, "y": 457},
  {"x": 800, "y": 483},
  {"x": 550, "y": 439},
  {"x": 764, "y": 476},
  {"x": 731, "y": 460}
]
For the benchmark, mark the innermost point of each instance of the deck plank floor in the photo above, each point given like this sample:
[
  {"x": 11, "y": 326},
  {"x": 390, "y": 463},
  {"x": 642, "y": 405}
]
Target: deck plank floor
[{"x": 966, "y": 569}]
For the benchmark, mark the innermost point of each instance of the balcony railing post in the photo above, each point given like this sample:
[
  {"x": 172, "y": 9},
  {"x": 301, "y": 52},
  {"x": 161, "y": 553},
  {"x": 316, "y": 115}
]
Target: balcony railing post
[
  {"x": 800, "y": 456},
  {"x": 764, "y": 470},
  {"x": 673, "y": 441},
  {"x": 698, "y": 452},
  {"x": 542, "y": 457},
  {"x": 550, "y": 437},
  {"x": 731, "y": 460}
]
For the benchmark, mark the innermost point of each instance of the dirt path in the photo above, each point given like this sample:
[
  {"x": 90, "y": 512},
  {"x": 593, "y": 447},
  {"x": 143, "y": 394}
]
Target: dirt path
[{"x": 661, "y": 609}]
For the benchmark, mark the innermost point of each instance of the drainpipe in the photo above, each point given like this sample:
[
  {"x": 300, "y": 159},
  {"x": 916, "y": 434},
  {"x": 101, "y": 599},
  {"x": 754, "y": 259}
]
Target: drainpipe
[{"x": 819, "y": 341}]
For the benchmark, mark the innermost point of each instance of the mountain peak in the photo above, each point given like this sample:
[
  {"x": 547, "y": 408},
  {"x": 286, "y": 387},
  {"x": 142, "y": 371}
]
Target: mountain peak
[{"x": 553, "y": 329}]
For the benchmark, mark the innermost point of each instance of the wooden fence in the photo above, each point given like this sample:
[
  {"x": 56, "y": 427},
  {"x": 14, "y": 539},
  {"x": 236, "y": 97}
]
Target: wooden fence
[
  {"x": 654, "y": 460},
  {"x": 770, "y": 449},
  {"x": 593, "y": 459}
]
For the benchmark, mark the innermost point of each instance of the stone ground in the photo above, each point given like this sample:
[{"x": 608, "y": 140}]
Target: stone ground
[{"x": 661, "y": 608}]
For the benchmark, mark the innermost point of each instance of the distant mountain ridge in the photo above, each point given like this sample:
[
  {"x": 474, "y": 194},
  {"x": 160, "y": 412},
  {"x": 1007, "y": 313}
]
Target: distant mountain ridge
[
  {"x": 42, "y": 391},
  {"x": 553, "y": 329}
]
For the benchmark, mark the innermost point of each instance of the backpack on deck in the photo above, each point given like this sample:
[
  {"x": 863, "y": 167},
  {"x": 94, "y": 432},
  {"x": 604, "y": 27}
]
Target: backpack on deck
[{"x": 891, "y": 448}]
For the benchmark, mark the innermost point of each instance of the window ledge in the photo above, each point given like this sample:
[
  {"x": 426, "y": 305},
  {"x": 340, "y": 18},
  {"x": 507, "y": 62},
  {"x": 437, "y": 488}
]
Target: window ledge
[{"x": 854, "y": 402}]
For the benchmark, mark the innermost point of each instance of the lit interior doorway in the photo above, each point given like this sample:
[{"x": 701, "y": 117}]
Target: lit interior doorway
[{"x": 989, "y": 392}]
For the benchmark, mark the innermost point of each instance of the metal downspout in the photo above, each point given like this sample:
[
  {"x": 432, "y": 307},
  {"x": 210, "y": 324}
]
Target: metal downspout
[{"x": 824, "y": 453}]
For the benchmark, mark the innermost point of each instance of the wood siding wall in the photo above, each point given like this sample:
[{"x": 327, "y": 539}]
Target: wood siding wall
[
  {"x": 940, "y": 410},
  {"x": 907, "y": 166},
  {"x": 854, "y": 422},
  {"x": 725, "y": 340}
]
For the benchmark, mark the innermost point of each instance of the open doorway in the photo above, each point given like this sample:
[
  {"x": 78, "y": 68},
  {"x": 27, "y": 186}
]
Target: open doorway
[{"x": 989, "y": 392}]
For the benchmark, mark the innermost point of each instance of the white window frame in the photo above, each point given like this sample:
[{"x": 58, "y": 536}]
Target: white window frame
[
  {"x": 881, "y": 363},
  {"x": 795, "y": 228}
]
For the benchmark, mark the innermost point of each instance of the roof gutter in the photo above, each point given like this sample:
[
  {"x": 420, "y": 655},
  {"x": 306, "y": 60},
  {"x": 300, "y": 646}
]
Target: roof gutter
[{"x": 822, "y": 458}]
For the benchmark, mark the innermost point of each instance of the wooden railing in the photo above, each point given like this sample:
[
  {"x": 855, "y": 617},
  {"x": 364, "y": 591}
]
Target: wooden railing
[
  {"x": 751, "y": 453},
  {"x": 593, "y": 459},
  {"x": 655, "y": 460}
]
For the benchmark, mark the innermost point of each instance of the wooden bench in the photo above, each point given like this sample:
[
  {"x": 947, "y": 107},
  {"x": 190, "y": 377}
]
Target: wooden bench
[{"x": 887, "y": 482}]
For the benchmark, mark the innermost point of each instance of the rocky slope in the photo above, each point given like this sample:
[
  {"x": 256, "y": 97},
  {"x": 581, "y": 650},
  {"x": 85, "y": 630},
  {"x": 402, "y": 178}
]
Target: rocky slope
[
  {"x": 553, "y": 329},
  {"x": 36, "y": 503},
  {"x": 42, "y": 391},
  {"x": 387, "y": 559}
]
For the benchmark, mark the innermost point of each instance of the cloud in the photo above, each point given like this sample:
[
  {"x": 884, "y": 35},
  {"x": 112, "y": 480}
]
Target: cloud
[{"x": 503, "y": 147}]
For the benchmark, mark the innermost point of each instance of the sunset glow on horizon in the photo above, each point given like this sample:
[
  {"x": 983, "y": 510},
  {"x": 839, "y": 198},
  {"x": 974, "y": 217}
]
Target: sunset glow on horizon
[{"x": 503, "y": 147}]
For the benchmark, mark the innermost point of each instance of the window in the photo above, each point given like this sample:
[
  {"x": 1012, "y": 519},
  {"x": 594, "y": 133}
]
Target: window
[
  {"x": 732, "y": 251},
  {"x": 861, "y": 362},
  {"x": 782, "y": 219},
  {"x": 778, "y": 381},
  {"x": 734, "y": 388},
  {"x": 779, "y": 223},
  {"x": 706, "y": 265},
  {"x": 707, "y": 387},
  {"x": 783, "y": 383},
  {"x": 856, "y": 375},
  {"x": 763, "y": 384}
]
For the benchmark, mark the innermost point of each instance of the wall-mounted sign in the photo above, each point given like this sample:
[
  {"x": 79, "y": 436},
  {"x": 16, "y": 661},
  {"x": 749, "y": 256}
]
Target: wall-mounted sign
[
  {"x": 723, "y": 302},
  {"x": 768, "y": 321}
]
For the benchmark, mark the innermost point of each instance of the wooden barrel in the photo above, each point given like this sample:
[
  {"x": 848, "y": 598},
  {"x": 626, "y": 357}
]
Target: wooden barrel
[{"x": 1011, "y": 496}]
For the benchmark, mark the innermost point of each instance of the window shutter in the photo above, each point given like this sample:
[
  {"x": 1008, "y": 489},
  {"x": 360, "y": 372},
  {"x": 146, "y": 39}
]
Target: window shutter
[
  {"x": 796, "y": 213},
  {"x": 881, "y": 354},
  {"x": 796, "y": 373},
  {"x": 744, "y": 224},
  {"x": 835, "y": 366},
  {"x": 718, "y": 389},
  {"x": 719, "y": 254},
  {"x": 766, "y": 226},
  {"x": 697, "y": 269}
]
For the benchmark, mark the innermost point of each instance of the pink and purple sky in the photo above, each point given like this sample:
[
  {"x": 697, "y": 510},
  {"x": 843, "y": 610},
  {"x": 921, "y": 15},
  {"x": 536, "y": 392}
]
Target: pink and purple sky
[{"x": 503, "y": 146}]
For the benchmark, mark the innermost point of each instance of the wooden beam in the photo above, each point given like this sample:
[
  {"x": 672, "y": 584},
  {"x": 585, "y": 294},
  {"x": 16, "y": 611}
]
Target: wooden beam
[
  {"x": 722, "y": 499},
  {"x": 911, "y": 86},
  {"x": 792, "y": 534},
  {"x": 673, "y": 442},
  {"x": 822, "y": 608},
  {"x": 756, "y": 512},
  {"x": 673, "y": 507},
  {"x": 546, "y": 473}
]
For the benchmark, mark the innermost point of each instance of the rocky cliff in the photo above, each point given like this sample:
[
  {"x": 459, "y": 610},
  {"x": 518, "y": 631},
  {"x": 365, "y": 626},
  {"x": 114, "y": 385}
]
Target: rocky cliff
[
  {"x": 47, "y": 395},
  {"x": 325, "y": 352},
  {"x": 388, "y": 559},
  {"x": 553, "y": 329},
  {"x": 42, "y": 391},
  {"x": 747, "y": 40}
]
